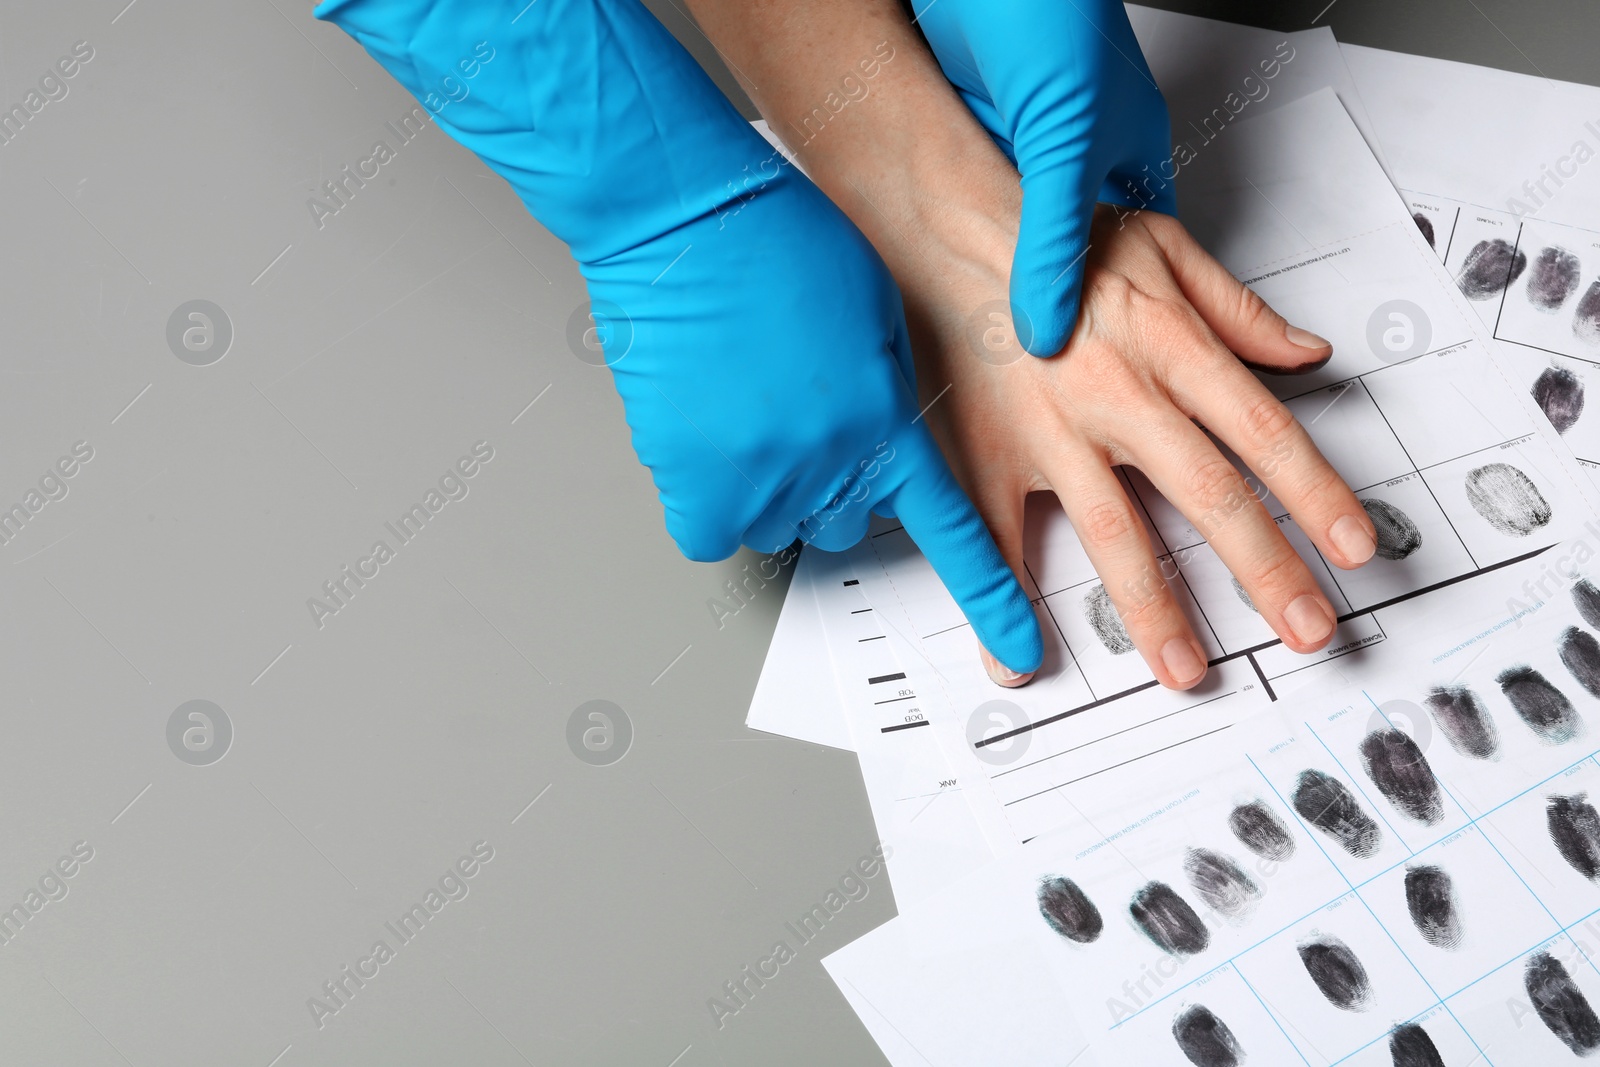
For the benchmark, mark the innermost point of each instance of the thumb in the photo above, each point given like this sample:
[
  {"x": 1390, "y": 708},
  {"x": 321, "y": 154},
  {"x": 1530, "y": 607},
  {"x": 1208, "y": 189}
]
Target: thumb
[
  {"x": 946, "y": 526},
  {"x": 1243, "y": 321},
  {"x": 1052, "y": 244}
]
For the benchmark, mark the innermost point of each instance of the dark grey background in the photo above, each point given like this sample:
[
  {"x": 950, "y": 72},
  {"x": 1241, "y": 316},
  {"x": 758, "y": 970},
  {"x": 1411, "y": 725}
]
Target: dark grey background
[{"x": 368, "y": 755}]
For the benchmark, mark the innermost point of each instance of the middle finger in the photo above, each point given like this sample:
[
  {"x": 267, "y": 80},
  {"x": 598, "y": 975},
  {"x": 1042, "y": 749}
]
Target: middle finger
[{"x": 1187, "y": 468}]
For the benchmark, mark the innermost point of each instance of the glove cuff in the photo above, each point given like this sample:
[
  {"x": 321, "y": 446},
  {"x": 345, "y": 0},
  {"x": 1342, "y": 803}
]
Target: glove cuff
[{"x": 604, "y": 126}]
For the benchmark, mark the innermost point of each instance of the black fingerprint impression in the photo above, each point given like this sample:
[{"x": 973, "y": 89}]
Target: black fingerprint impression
[
  {"x": 1400, "y": 771},
  {"x": 1465, "y": 721},
  {"x": 1204, "y": 1039},
  {"x": 1431, "y": 899},
  {"x": 1324, "y": 802},
  {"x": 1586, "y": 598},
  {"x": 1259, "y": 829},
  {"x": 1507, "y": 499},
  {"x": 1561, "y": 1004},
  {"x": 1221, "y": 883},
  {"x": 1410, "y": 1046},
  {"x": 1580, "y": 654},
  {"x": 1337, "y": 972},
  {"x": 1545, "y": 709},
  {"x": 1489, "y": 268},
  {"x": 1398, "y": 536},
  {"x": 1106, "y": 623},
  {"x": 1559, "y": 394},
  {"x": 1586, "y": 322},
  {"x": 1069, "y": 911},
  {"x": 1574, "y": 828},
  {"x": 1553, "y": 278},
  {"x": 1168, "y": 920},
  {"x": 1424, "y": 224}
]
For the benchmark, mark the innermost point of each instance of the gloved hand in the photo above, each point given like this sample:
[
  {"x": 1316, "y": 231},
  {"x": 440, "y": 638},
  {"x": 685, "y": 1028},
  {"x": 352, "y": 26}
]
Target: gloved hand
[
  {"x": 755, "y": 336},
  {"x": 1063, "y": 88}
]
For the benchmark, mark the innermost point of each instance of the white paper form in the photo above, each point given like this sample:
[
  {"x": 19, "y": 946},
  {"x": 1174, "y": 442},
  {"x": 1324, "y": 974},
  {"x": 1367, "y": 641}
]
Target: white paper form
[
  {"x": 1410, "y": 862},
  {"x": 930, "y": 834},
  {"x": 796, "y": 695},
  {"x": 918, "y": 805},
  {"x": 1198, "y": 63},
  {"x": 1500, "y": 172},
  {"x": 1293, "y": 203},
  {"x": 1214, "y": 73}
]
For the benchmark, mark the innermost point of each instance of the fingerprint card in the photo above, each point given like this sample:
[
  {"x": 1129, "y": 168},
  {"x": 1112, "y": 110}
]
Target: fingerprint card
[
  {"x": 1418, "y": 545},
  {"x": 1535, "y": 284},
  {"x": 1548, "y": 830},
  {"x": 1352, "y": 433},
  {"x": 1483, "y": 257},
  {"x": 1456, "y": 910},
  {"x": 1402, "y": 872},
  {"x": 1336, "y": 980},
  {"x": 1552, "y": 301}
]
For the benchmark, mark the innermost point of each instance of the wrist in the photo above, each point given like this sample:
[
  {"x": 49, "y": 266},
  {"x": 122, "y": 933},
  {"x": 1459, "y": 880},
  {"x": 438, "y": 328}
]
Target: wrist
[
  {"x": 852, "y": 90},
  {"x": 907, "y": 162}
]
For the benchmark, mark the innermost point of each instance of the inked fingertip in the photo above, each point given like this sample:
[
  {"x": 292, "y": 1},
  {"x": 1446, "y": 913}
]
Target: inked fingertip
[{"x": 1293, "y": 369}]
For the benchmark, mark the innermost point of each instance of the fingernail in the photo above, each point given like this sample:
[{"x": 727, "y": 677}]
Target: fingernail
[
  {"x": 1350, "y": 537},
  {"x": 1182, "y": 661},
  {"x": 1310, "y": 621},
  {"x": 1305, "y": 338},
  {"x": 999, "y": 673}
]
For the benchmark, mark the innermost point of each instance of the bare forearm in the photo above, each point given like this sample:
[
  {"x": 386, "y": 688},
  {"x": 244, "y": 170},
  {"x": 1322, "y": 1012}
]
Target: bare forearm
[{"x": 851, "y": 88}]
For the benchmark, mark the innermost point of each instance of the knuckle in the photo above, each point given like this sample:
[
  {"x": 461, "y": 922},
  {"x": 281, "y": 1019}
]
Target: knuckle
[
  {"x": 1266, "y": 423},
  {"x": 1324, "y": 485},
  {"x": 1212, "y": 483},
  {"x": 1106, "y": 523},
  {"x": 1146, "y": 595},
  {"x": 1163, "y": 223},
  {"x": 1174, "y": 323},
  {"x": 1109, "y": 379},
  {"x": 1110, "y": 290},
  {"x": 1252, "y": 312},
  {"x": 1141, "y": 611},
  {"x": 1279, "y": 575}
]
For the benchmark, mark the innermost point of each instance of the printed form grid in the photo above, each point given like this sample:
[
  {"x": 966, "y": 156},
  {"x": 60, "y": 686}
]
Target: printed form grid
[
  {"x": 1584, "y": 444},
  {"x": 1355, "y": 889}
]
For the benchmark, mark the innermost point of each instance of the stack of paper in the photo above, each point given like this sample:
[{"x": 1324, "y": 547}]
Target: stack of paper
[{"x": 1273, "y": 866}]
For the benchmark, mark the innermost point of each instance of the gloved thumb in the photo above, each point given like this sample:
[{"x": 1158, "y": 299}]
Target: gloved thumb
[{"x": 1052, "y": 244}]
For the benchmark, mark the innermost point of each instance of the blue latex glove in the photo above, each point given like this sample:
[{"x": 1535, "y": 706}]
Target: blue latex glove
[
  {"x": 756, "y": 338},
  {"x": 1063, "y": 88}
]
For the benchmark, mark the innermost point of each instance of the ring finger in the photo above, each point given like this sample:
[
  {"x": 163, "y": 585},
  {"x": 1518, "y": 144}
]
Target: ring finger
[{"x": 1120, "y": 551}]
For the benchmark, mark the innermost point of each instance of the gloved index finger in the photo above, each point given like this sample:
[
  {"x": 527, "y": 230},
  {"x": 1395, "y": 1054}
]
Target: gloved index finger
[{"x": 940, "y": 518}]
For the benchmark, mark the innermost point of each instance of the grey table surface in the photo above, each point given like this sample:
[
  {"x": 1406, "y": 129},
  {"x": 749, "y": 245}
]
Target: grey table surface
[{"x": 370, "y": 755}]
